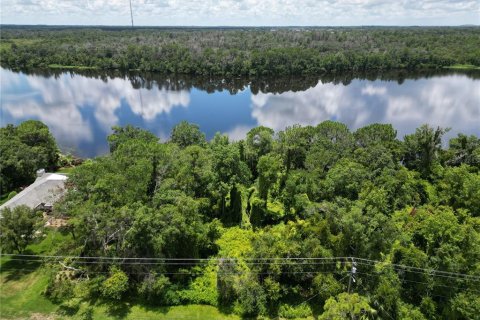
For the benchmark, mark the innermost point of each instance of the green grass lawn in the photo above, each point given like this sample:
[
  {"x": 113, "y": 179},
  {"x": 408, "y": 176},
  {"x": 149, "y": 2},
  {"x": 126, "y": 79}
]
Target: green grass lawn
[
  {"x": 65, "y": 170},
  {"x": 21, "y": 297},
  {"x": 22, "y": 285},
  {"x": 199, "y": 312},
  {"x": 7, "y": 44},
  {"x": 60, "y": 66},
  {"x": 21, "y": 292},
  {"x": 463, "y": 67}
]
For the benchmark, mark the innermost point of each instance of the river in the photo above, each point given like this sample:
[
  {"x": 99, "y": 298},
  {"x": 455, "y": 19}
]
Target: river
[{"x": 81, "y": 107}]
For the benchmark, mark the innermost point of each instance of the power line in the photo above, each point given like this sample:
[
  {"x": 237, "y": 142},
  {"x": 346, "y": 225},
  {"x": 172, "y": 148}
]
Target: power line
[
  {"x": 421, "y": 282},
  {"x": 184, "y": 263},
  {"x": 416, "y": 268},
  {"x": 307, "y": 261},
  {"x": 429, "y": 272},
  {"x": 194, "y": 273},
  {"x": 174, "y": 259}
]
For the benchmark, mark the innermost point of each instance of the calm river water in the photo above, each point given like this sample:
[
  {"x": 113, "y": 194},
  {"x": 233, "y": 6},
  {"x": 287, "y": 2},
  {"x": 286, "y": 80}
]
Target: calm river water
[{"x": 80, "y": 109}]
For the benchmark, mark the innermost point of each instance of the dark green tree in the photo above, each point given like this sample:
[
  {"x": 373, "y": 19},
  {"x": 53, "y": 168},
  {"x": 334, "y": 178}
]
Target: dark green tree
[
  {"x": 422, "y": 149},
  {"x": 464, "y": 149},
  {"x": 121, "y": 135},
  {"x": 23, "y": 150},
  {"x": 36, "y": 135},
  {"x": 293, "y": 144},
  {"x": 374, "y": 134},
  {"x": 259, "y": 142},
  {"x": 270, "y": 168},
  {"x": 347, "y": 306},
  {"x": 18, "y": 227},
  {"x": 186, "y": 134}
]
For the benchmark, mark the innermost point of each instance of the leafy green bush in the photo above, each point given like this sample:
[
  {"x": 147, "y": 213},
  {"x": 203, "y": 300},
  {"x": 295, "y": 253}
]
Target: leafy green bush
[
  {"x": 59, "y": 288},
  {"x": 87, "y": 313},
  {"x": 291, "y": 312},
  {"x": 17, "y": 228},
  {"x": 202, "y": 290},
  {"x": 115, "y": 285},
  {"x": 70, "y": 307},
  {"x": 11, "y": 195},
  {"x": 251, "y": 297},
  {"x": 154, "y": 289}
]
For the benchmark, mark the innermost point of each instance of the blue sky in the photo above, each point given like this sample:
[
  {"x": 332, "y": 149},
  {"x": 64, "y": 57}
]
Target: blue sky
[{"x": 242, "y": 12}]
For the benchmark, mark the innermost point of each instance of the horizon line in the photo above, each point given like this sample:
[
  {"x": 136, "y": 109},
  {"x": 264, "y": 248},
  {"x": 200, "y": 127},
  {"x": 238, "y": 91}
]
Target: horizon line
[{"x": 235, "y": 26}]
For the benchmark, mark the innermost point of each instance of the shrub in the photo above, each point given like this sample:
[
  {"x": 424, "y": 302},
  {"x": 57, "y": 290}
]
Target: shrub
[
  {"x": 292, "y": 312},
  {"x": 59, "y": 288},
  {"x": 116, "y": 285},
  {"x": 203, "y": 290},
  {"x": 11, "y": 195},
  {"x": 154, "y": 289}
]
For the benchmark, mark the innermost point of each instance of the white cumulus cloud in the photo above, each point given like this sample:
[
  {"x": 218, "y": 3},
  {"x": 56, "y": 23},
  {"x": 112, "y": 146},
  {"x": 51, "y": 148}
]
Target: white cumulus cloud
[
  {"x": 447, "y": 101},
  {"x": 242, "y": 12},
  {"x": 61, "y": 102}
]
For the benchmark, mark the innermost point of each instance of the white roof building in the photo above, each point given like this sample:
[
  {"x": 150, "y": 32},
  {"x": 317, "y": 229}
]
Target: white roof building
[{"x": 43, "y": 193}]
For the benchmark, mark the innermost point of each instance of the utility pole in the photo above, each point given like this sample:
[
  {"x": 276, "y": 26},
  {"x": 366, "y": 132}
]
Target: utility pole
[
  {"x": 131, "y": 12},
  {"x": 352, "y": 273}
]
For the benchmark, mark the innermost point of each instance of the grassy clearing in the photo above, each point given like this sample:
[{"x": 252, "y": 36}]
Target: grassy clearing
[
  {"x": 21, "y": 291},
  {"x": 22, "y": 285},
  {"x": 463, "y": 67},
  {"x": 23, "y": 41},
  {"x": 60, "y": 66},
  {"x": 65, "y": 170},
  {"x": 51, "y": 243},
  {"x": 193, "y": 312},
  {"x": 7, "y": 43}
]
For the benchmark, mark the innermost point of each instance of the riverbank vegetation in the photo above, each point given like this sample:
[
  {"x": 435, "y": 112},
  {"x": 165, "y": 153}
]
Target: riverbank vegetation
[
  {"x": 309, "y": 221},
  {"x": 240, "y": 51}
]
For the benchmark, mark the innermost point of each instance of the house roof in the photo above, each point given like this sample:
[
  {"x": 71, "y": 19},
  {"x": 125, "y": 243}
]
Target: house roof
[{"x": 46, "y": 189}]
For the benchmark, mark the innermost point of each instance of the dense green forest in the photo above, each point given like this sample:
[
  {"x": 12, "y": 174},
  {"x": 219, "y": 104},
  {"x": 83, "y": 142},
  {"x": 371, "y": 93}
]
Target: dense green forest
[
  {"x": 307, "y": 221},
  {"x": 240, "y": 51}
]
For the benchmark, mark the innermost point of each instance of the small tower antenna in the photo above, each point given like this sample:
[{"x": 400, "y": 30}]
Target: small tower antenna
[{"x": 131, "y": 12}]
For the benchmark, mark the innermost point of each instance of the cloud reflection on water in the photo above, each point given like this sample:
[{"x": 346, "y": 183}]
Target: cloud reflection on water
[
  {"x": 81, "y": 110},
  {"x": 448, "y": 101},
  {"x": 63, "y": 103}
]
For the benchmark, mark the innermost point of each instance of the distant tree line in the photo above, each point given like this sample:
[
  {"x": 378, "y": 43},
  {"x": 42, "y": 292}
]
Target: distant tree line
[
  {"x": 241, "y": 52},
  {"x": 250, "y": 208}
]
